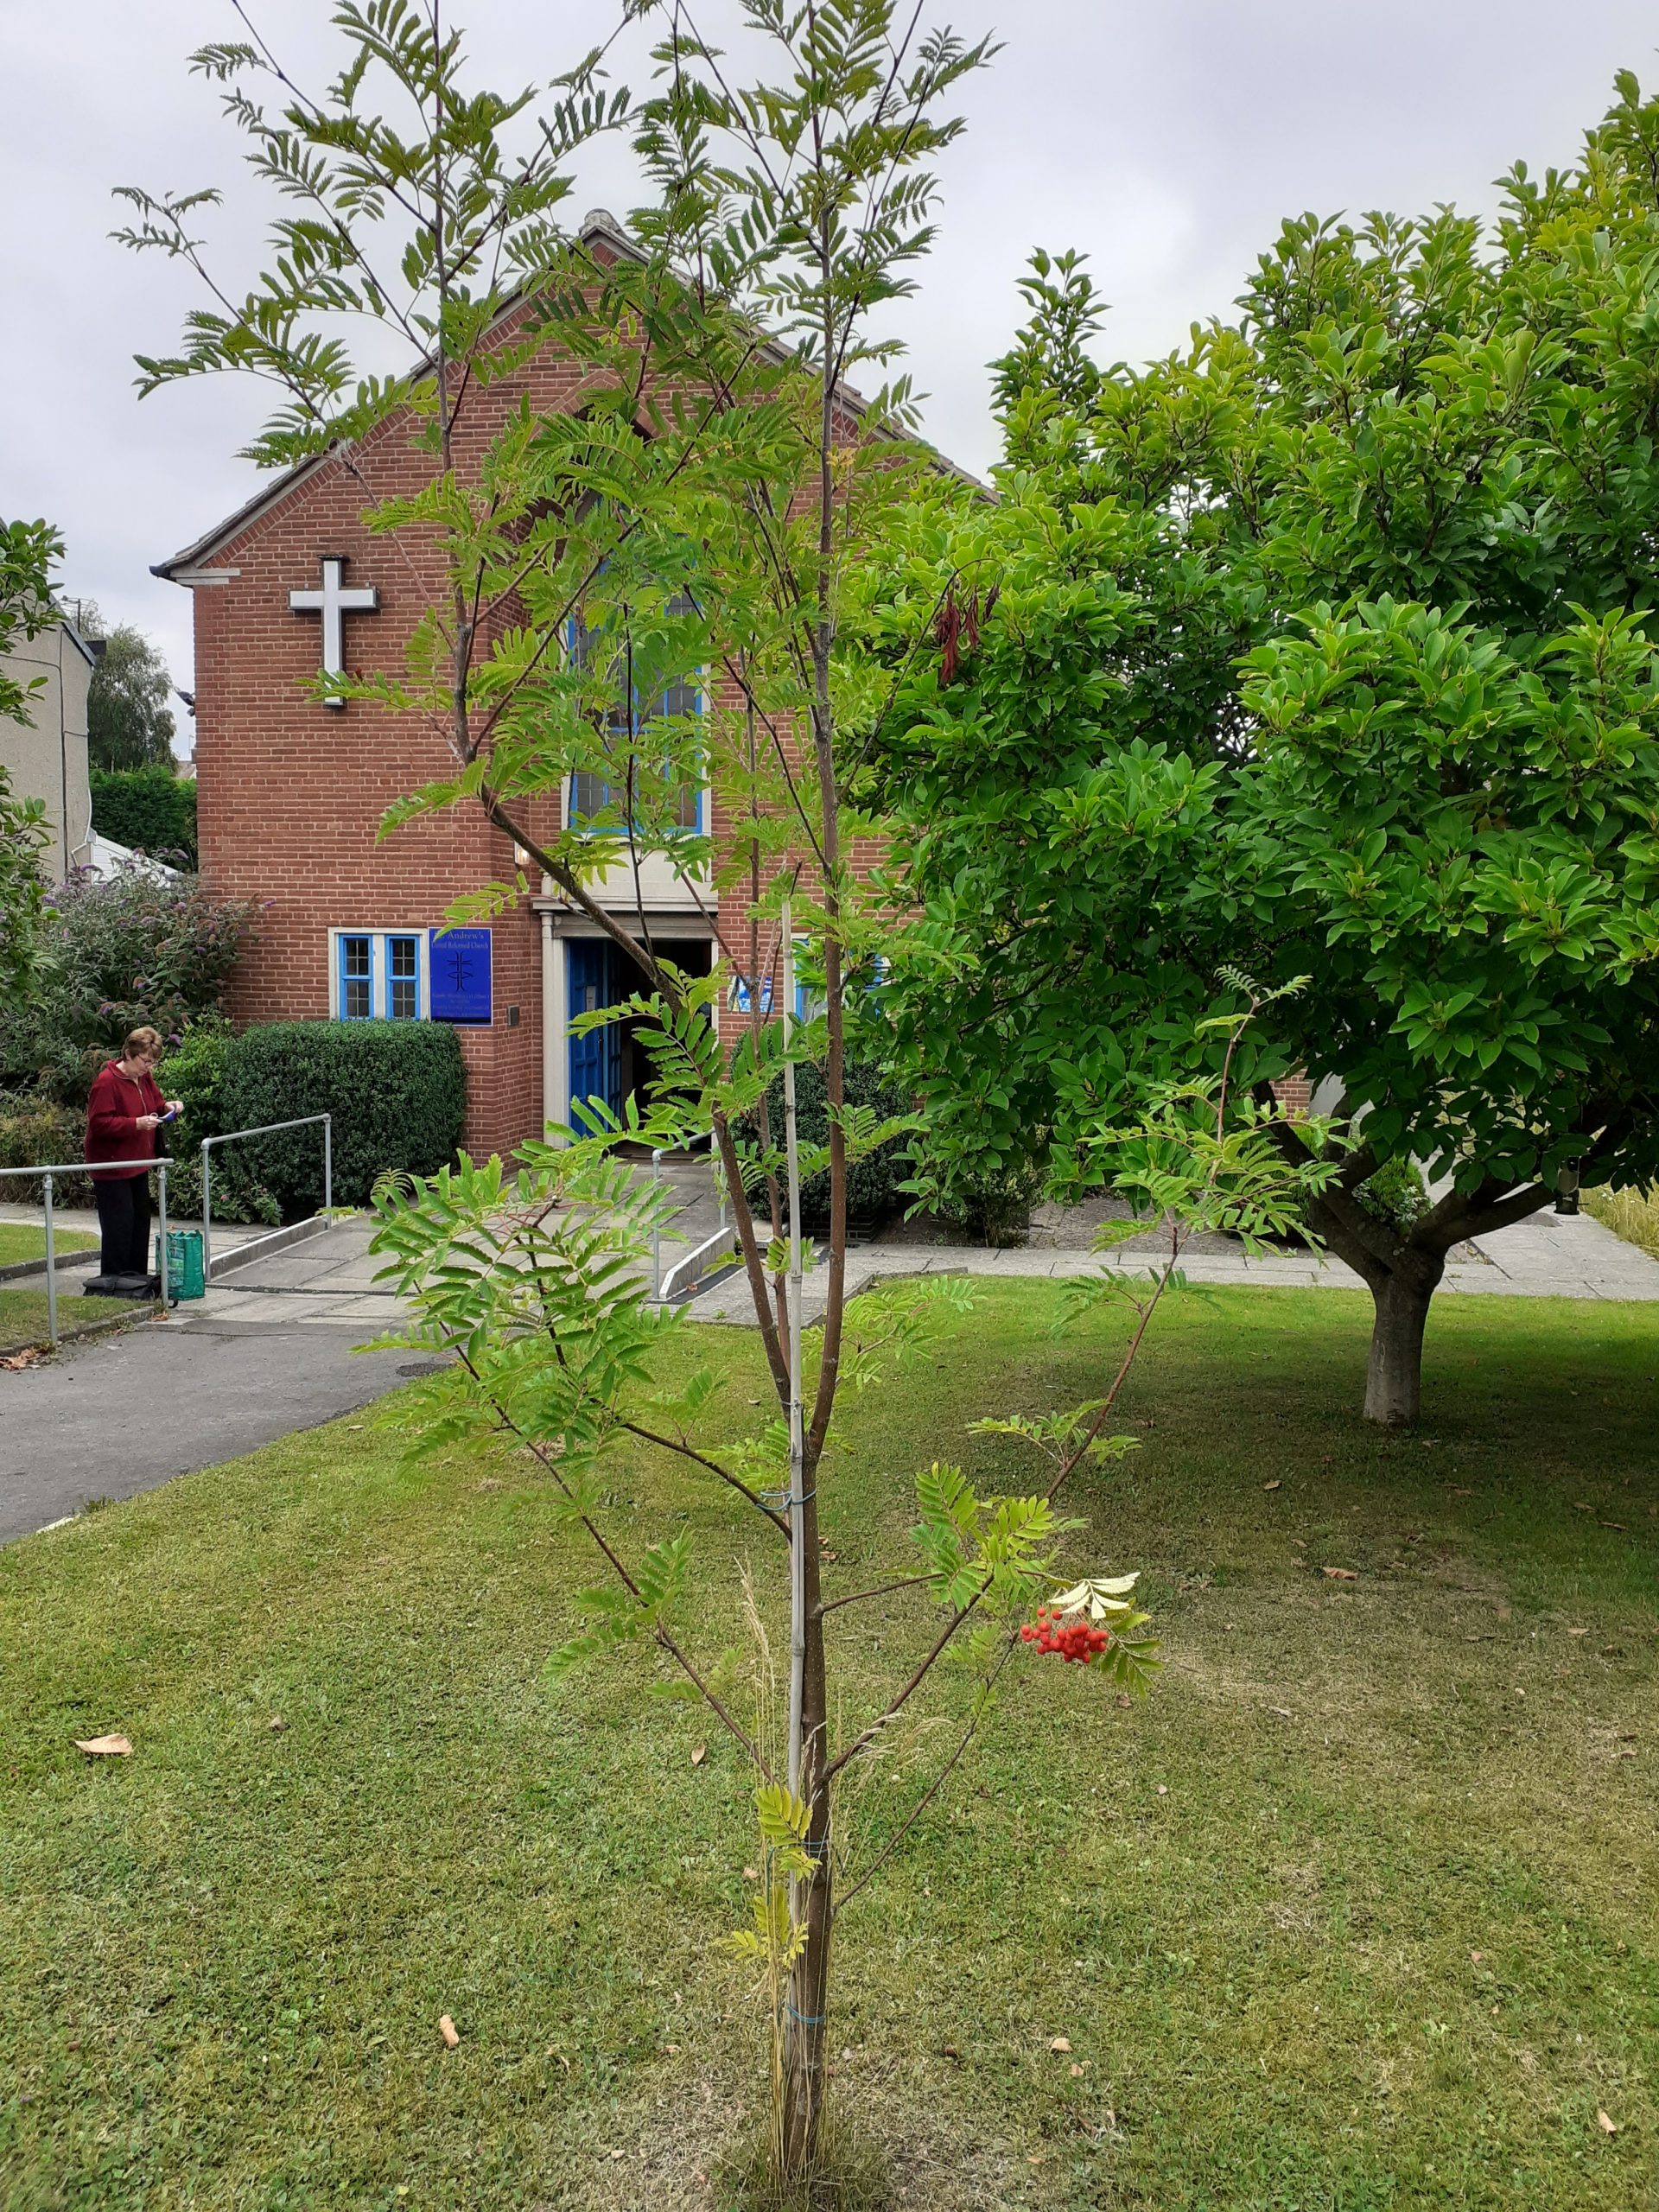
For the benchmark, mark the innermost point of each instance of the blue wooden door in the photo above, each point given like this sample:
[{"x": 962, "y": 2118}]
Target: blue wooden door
[{"x": 596, "y": 1055}]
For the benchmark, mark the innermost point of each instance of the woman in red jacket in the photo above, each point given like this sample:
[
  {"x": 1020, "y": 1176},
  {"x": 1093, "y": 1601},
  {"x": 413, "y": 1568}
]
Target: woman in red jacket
[{"x": 122, "y": 1112}]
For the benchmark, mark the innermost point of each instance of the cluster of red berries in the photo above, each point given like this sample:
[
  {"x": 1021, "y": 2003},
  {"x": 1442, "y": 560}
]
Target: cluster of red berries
[{"x": 1076, "y": 1642}]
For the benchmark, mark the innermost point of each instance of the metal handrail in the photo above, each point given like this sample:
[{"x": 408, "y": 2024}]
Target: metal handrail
[
  {"x": 93, "y": 1167},
  {"x": 267, "y": 1129}
]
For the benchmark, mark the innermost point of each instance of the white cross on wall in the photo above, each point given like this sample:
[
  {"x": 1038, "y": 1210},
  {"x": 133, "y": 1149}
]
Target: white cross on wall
[{"x": 333, "y": 602}]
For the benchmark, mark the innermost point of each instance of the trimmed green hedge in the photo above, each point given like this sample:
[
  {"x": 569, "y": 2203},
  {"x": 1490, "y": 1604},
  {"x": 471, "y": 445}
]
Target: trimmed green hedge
[
  {"x": 396, "y": 1090},
  {"x": 194, "y": 1071},
  {"x": 149, "y": 809}
]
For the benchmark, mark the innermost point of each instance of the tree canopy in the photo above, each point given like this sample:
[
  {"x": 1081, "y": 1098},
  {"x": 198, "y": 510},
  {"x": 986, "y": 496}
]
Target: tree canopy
[
  {"x": 1325, "y": 646},
  {"x": 129, "y": 723}
]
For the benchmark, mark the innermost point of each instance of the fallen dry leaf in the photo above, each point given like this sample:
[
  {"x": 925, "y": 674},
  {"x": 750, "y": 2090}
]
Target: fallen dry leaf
[
  {"x": 448, "y": 2030},
  {"x": 1274, "y": 1484},
  {"x": 105, "y": 1747},
  {"x": 1061, "y": 2043},
  {"x": 1578, "y": 1631},
  {"x": 277, "y": 1724},
  {"x": 1339, "y": 1574},
  {"x": 1163, "y": 1789},
  {"x": 1281, "y": 1712},
  {"x": 699, "y": 1755},
  {"x": 1607, "y": 2126},
  {"x": 751, "y": 1874},
  {"x": 1619, "y": 1525},
  {"x": 29, "y": 1356},
  {"x": 1476, "y": 1956},
  {"x": 1075, "y": 2071}
]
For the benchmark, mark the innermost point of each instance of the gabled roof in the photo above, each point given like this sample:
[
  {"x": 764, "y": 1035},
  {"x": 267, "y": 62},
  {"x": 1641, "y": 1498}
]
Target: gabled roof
[{"x": 599, "y": 227}]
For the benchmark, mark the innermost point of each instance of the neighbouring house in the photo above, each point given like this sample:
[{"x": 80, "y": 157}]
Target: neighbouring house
[
  {"x": 45, "y": 756},
  {"x": 291, "y": 793}
]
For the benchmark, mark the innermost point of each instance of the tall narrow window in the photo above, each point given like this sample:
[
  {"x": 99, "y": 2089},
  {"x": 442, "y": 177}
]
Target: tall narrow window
[
  {"x": 404, "y": 978},
  {"x": 596, "y": 793},
  {"x": 356, "y": 977}
]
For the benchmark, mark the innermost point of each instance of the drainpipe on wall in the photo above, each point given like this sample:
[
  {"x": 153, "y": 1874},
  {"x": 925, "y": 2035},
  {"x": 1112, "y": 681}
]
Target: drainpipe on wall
[
  {"x": 63, "y": 755},
  {"x": 555, "y": 1103}
]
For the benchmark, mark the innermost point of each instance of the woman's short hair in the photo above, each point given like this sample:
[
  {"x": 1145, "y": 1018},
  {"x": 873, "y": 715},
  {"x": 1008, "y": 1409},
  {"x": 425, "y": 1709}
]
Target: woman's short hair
[{"x": 146, "y": 1040}]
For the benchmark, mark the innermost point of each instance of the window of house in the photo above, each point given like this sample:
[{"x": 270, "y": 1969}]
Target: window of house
[
  {"x": 379, "y": 975},
  {"x": 603, "y": 797}
]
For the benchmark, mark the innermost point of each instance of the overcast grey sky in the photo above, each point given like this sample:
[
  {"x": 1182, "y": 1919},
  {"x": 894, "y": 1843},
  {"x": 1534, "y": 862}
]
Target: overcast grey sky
[{"x": 1166, "y": 139}]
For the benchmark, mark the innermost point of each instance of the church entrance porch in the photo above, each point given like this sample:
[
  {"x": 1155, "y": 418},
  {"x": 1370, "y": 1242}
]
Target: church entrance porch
[{"x": 608, "y": 1063}]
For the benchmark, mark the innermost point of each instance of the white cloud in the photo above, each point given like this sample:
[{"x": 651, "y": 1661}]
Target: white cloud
[{"x": 1166, "y": 141}]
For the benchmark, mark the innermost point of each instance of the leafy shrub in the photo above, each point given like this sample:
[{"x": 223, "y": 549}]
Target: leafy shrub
[
  {"x": 34, "y": 1131},
  {"x": 992, "y": 1205},
  {"x": 396, "y": 1090},
  {"x": 149, "y": 809},
  {"x": 873, "y": 1183},
  {"x": 1395, "y": 1194},
  {"x": 138, "y": 949}
]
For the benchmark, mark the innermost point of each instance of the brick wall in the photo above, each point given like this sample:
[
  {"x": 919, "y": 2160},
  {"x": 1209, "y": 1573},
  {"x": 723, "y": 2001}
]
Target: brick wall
[{"x": 291, "y": 793}]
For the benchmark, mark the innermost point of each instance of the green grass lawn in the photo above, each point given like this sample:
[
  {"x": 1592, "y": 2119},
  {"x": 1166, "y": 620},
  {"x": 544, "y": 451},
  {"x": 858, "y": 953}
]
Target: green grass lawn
[
  {"x": 22, "y": 1313},
  {"x": 1356, "y": 1913},
  {"x": 21, "y": 1240}
]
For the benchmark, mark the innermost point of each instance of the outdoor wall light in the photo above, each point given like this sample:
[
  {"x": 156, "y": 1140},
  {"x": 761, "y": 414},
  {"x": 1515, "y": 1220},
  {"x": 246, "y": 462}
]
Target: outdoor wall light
[{"x": 1567, "y": 1187}]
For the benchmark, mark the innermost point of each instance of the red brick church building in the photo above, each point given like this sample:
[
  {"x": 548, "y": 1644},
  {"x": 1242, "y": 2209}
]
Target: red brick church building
[{"x": 291, "y": 793}]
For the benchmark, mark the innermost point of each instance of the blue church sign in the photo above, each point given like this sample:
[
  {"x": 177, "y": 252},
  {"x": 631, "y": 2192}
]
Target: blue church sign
[{"x": 459, "y": 966}]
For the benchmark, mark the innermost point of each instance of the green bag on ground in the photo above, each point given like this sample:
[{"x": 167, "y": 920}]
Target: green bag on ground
[{"x": 184, "y": 1277}]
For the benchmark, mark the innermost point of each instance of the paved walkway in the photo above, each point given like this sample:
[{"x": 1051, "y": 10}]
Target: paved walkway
[
  {"x": 1552, "y": 1255},
  {"x": 221, "y": 1375},
  {"x": 271, "y": 1348}
]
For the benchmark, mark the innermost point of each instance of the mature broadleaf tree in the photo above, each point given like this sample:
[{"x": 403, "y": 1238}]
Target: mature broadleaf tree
[
  {"x": 128, "y": 721},
  {"x": 1326, "y": 645}
]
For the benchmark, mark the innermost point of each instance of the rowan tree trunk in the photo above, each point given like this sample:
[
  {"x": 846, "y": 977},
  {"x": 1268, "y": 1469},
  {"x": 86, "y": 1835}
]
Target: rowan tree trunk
[
  {"x": 806, "y": 2005},
  {"x": 1394, "y": 1376}
]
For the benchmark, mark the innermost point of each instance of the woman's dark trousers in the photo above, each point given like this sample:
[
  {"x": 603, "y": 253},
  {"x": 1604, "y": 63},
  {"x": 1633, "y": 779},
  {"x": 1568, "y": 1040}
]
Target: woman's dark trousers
[{"x": 124, "y": 1219}]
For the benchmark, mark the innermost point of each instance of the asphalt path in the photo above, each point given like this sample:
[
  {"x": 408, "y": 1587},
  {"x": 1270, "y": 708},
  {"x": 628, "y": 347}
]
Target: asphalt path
[{"x": 120, "y": 1415}]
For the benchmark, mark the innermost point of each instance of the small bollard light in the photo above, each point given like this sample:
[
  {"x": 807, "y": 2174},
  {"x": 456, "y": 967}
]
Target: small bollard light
[{"x": 1567, "y": 1188}]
